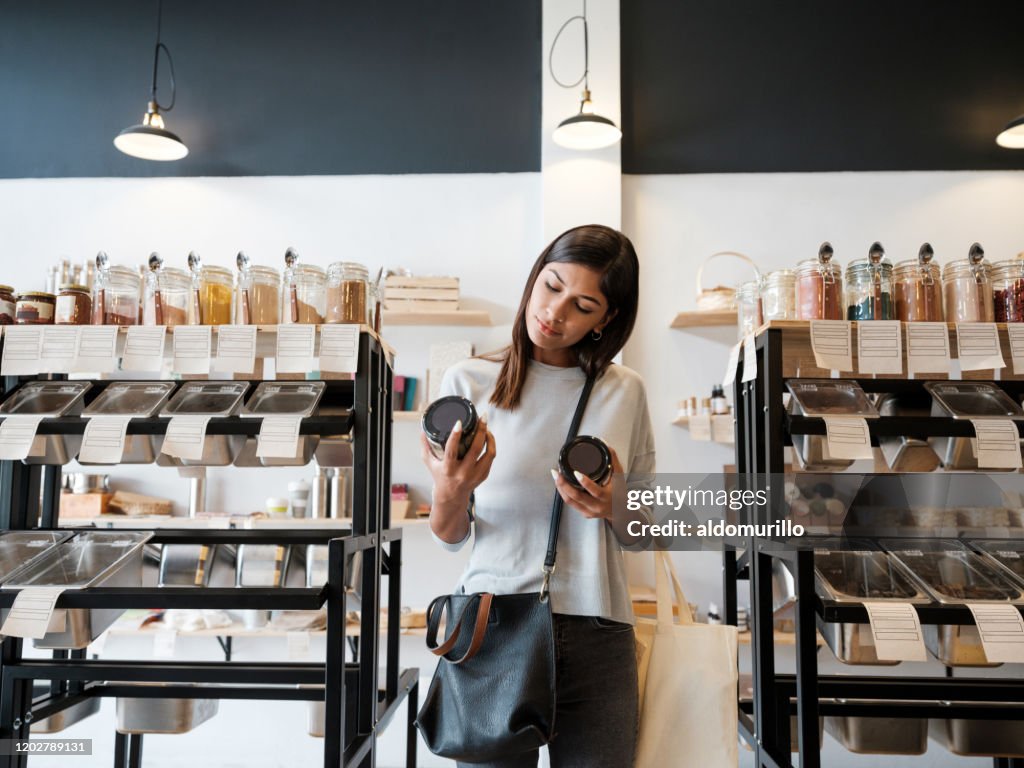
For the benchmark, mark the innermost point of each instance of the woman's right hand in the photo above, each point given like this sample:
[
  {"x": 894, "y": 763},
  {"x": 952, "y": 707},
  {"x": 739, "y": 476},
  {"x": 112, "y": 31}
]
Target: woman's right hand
[{"x": 455, "y": 479}]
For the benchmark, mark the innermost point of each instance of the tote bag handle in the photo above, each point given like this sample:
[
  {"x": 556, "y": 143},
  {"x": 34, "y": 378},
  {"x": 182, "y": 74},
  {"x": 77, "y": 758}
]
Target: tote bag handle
[{"x": 663, "y": 569}]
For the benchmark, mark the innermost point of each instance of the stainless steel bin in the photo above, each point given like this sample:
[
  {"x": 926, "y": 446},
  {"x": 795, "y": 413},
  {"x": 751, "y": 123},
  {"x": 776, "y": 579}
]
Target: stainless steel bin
[
  {"x": 967, "y": 400},
  {"x": 825, "y": 397},
  {"x": 282, "y": 398},
  {"x": 155, "y": 715},
  {"x": 186, "y": 565},
  {"x": 208, "y": 398},
  {"x": 979, "y": 738},
  {"x": 52, "y": 399},
  {"x": 133, "y": 398},
  {"x": 57, "y": 722},
  {"x": 880, "y": 735},
  {"x": 906, "y": 454}
]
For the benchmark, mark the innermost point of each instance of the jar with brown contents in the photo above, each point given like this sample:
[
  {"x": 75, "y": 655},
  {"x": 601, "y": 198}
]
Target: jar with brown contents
[
  {"x": 168, "y": 298},
  {"x": 304, "y": 294},
  {"x": 8, "y": 305},
  {"x": 967, "y": 284},
  {"x": 347, "y": 288},
  {"x": 258, "y": 299},
  {"x": 918, "y": 288},
  {"x": 73, "y": 306},
  {"x": 35, "y": 308},
  {"x": 819, "y": 287},
  {"x": 1008, "y": 291},
  {"x": 116, "y": 296}
]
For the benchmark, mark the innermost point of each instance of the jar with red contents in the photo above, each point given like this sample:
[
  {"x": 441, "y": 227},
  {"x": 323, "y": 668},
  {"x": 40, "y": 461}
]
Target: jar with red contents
[
  {"x": 918, "y": 284},
  {"x": 819, "y": 287},
  {"x": 1008, "y": 290}
]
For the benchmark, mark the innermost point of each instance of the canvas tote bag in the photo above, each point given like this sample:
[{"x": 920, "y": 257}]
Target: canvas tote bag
[{"x": 688, "y": 684}]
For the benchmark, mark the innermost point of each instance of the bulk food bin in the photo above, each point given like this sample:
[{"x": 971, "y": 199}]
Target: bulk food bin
[
  {"x": 967, "y": 400},
  {"x": 979, "y": 738},
  {"x": 825, "y": 397},
  {"x": 278, "y": 398},
  {"x": 746, "y": 685},
  {"x": 141, "y": 399},
  {"x": 880, "y": 735},
  {"x": 67, "y": 717},
  {"x": 90, "y": 559},
  {"x": 1009, "y": 553},
  {"x": 854, "y": 571},
  {"x": 152, "y": 715},
  {"x": 186, "y": 565},
  {"x": 906, "y": 454},
  {"x": 260, "y": 565},
  {"x": 52, "y": 399},
  {"x": 208, "y": 398},
  {"x": 19, "y": 549},
  {"x": 954, "y": 575}
]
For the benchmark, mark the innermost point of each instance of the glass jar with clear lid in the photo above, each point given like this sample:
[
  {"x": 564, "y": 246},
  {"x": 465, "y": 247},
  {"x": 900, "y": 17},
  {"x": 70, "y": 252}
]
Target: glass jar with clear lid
[
  {"x": 869, "y": 287},
  {"x": 778, "y": 295},
  {"x": 967, "y": 286},
  {"x": 303, "y": 294},
  {"x": 169, "y": 298},
  {"x": 1008, "y": 290},
  {"x": 347, "y": 292},
  {"x": 749, "y": 316},
  {"x": 918, "y": 285},
  {"x": 258, "y": 298},
  {"x": 216, "y": 287},
  {"x": 819, "y": 287},
  {"x": 115, "y": 296}
]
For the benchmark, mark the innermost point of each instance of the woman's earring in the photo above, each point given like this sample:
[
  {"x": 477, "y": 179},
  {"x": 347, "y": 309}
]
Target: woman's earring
[{"x": 595, "y": 335}]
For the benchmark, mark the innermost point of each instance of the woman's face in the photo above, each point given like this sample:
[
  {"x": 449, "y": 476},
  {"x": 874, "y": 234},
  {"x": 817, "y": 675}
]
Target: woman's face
[{"x": 566, "y": 304}]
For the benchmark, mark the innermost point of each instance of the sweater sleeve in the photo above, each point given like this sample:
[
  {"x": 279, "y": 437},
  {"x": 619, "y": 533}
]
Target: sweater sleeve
[{"x": 452, "y": 384}]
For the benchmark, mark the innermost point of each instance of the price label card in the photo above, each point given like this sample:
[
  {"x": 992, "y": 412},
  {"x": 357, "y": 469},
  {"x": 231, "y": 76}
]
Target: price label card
[
  {"x": 831, "y": 342},
  {"x": 1002, "y": 631},
  {"x": 103, "y": 442},
  {"x": 97, "y": 349},
  {"x": 23, "y": 345},
  {"x": 927, "y": 348},
  {"x": 59, "y": 348},
  {"x": 896, "y": 631},
  {"x": 848, "y": 437},
  {"x": 17, "y": 433},
  {"x": 236, "y": 349},
  {"x": 879, "y": 347},
  {"x": 978, "y": 346},
  {"x": 339, "y": 348},
  {"x": 279, "y": 437},
  {"x": 749, "y": 358},
  {"x": 185, "y": 437},
  {"x": 730, "y": 367},
  {"x": 32, "y": 612},
  {"x": 144, "y": 348},
  {"x": 192, "y": 349},
  {"x": 1016, "y": 333},
  {"x": 295, "y": 348},
  {"x": 997, "y": 445}
]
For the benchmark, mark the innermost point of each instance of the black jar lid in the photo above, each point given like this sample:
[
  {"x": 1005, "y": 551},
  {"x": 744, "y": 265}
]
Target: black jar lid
[
  {"x": 586, "y": 455},
  {"x": 440, "y": 417}
]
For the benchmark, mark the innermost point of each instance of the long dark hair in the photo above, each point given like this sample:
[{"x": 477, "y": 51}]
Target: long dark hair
[{"x": 604, "y": 250}]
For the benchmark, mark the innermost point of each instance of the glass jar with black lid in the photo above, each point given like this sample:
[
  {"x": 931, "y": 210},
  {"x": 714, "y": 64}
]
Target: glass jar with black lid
[
  {"x": 587, "y": 455},
  {"x": 440, "y": 418}
]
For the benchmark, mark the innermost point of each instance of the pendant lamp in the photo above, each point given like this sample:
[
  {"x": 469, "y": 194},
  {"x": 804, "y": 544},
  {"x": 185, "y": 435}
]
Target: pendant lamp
[
  {"x": 151, "y": 140},
  {"x": 586, "y": 129},
  {"x": 1012, "y": 136}
]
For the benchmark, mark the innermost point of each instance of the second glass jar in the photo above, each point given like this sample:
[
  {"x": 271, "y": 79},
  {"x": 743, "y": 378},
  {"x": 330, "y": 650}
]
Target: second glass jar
[
  {"x": 347, "y": 290},
  {"x": 115, "y": 296},
  {"x": 303, "y": 294},
  {"x": 968, "y": 290},
  {"x": 918, "y": 291},
  {"x": 174, "y": 289},
  {"x": 216, "y": 285},
  {"x": 778, "y": 295},
  {"x": 869, "y": 291}
]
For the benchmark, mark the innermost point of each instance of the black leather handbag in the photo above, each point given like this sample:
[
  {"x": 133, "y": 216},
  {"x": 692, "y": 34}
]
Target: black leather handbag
[{"x": 493, "y": 692}]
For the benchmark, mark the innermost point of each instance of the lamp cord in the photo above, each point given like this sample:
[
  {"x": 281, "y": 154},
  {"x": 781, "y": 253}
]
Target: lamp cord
[
  {"x": 585, "y": 77},
  {"x": 156, "y": 61}
]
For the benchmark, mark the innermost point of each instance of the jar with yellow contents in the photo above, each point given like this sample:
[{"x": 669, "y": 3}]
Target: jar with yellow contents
[{"x": 215, "y": 286}]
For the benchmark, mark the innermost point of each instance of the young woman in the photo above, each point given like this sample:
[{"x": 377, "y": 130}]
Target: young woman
[{"x": 576, "y": 313}]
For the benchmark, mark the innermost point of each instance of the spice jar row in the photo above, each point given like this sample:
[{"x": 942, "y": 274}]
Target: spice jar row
[
  {"x": 913, "y": 290},
  {"x": 201, "y": 295}
]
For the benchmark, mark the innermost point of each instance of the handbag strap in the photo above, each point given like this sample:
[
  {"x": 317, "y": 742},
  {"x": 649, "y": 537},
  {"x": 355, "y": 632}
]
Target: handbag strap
[
  {"x": 557, "y": 504},
  {"x": 436, "y": 609}
]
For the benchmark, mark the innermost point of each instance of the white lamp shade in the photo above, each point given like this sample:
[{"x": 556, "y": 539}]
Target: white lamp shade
[
  {"x": 586, "y": 131},
  {"x": 1012, "y": 136},
  {"x": 150, "y": 143}
]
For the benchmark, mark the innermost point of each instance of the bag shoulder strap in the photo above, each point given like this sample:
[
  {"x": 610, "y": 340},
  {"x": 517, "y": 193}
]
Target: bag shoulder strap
[{"x": 557, "y": 504}]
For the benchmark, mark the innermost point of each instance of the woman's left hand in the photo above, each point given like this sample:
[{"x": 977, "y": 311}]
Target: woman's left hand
[{"x": 593, "y": 500}]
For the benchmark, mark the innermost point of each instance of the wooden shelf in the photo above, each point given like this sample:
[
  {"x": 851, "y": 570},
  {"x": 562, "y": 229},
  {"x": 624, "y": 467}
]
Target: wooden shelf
[
  {"x": 705, "y": 319},
  {"x": 722, "y": 423},
  {"x": 464, "y": 317},
  {"x": 407, "y": 415}
]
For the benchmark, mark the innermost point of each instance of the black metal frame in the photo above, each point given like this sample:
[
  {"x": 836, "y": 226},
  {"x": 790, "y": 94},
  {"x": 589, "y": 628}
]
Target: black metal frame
[
  {"x": 357, "y": 708},
  {"x": 762, "y": 430}
]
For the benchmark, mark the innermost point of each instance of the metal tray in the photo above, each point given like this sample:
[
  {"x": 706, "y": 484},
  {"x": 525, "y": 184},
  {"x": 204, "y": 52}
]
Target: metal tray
[
  {"x": 906, "y": 454},
  {"x": 152, "y": 715},
  {"x": 1008, "y": 553},
  {"x": 880, "y": 735},
  {"x": 53, "y": 399},
  {"x": 19, "y": 549},
  {"x": 282, "y": 398},
  {"x": 261, "y": 565},
  {"x": 979, "y": 738},
  {"x": 67, "y": 717},
  {"x": 824, "y": 397},
  {"x": 133, "y": 398},
  {"x": 208, "y": 398},
  {"x": 89, "y": 559},
  {"x": 186, "y": 565},
  {"x": 966, "y": 400}
]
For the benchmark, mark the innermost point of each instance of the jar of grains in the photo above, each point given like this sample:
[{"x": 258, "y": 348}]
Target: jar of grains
[
  {"x": 967, "y": 285},
  {"x": 819, "y": 287},
  {"x": 8, "y": 305},
  {"x": 918, "y": 288},
  {"x": 869, "y": 287},
  {"x": 115, "y": 296},
  {"x": 303, "y": 294},
  {"x": 778, "y": 295},
  {"x": 749, "y": 316},
  {"x": 216, "y": 286},
  {"x": 258, "y": 299},
  {"x": 347, "y": 289},
  {"x": 35, "y": 308},
  {"x": 73, "y": 305},
  {"x": 1008, "y": 290},
  {"x": 169, "y": 298}
]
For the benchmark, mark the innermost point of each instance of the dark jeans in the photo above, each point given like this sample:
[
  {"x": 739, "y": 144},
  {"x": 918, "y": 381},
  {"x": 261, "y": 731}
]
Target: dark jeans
[{"x": 596, "y": 697}]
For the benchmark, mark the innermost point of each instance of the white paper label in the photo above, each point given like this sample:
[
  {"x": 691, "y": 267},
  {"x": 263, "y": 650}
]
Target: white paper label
[
  {"x": 978, "y": 346},
  {"x": 16, "y": 436},
  {"x": 22, "y": 349},
  {"x": 103, "y": 442},
  {"x": 749, "y": 358},
  {"x": 295, "y": 344},
  {"x": 1016, "y": 333},
  {"x": 831, "y": 342},
  {"x": 236, "y": 349},
  {"x": 879, "y": 347},
  {"x": 298, "y": 646},
  {"x": 730, "y": 367},
  {"x": 31, "y": 612},
  {"x": 185, "y": 437},
  {"x": 144, "y": 348},
  {"x": 1002, "y": 631},
  {"x": 896, "y": 630},
  {"x": 97, "y": 349},
  {"x": 164, "y": 641},
  {"x": 339, "y": 348},
  {"x": 997, "y": 444},
  {"x": 59, "y": 348},
  {"x": 192, "y": 349},
  {"x": 279, "y": 437},
  {"x": 927, "y": 348},
  {"x": 848, "y": 437},
  {"x": 700, "y": 427}
]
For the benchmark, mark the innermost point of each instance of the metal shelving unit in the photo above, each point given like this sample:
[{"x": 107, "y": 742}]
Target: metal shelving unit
[
  {"x": 358, "y": 705},
  {"x": 763, "y": 430}
]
